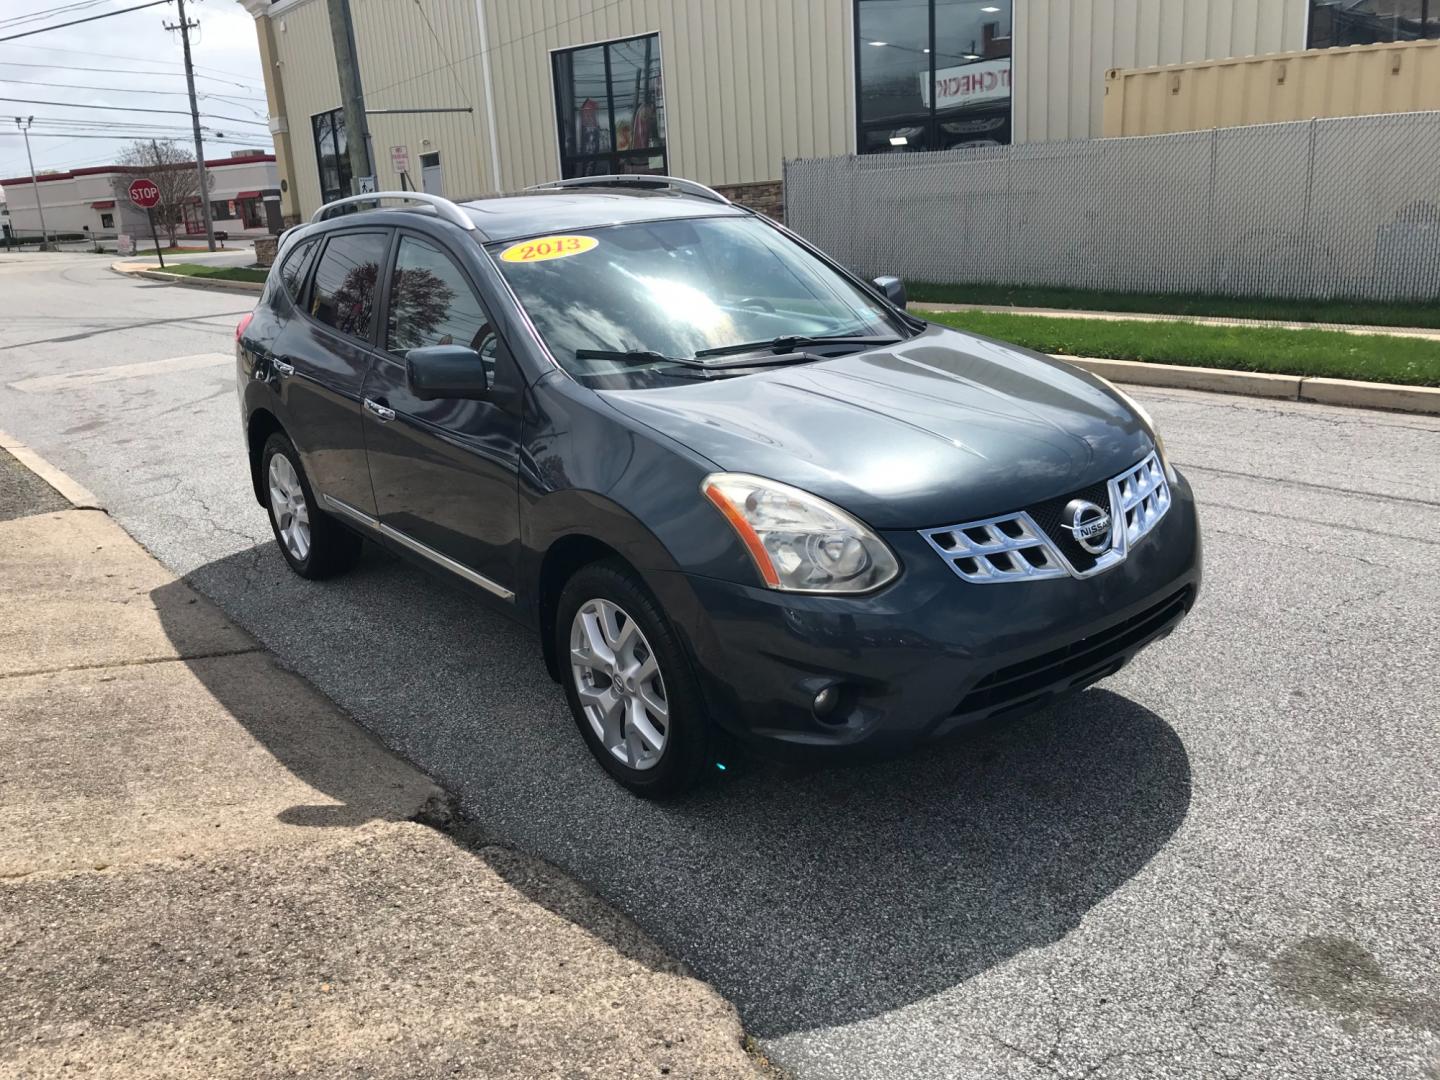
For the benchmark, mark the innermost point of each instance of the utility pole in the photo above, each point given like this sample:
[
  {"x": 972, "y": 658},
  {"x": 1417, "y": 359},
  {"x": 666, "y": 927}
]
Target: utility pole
[
  {"x": 352, "y": 97},
  {"x": 185, "y": 26},
  {"x": 23, "y": 123}
]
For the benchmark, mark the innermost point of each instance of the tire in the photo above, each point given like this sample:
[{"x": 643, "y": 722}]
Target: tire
[
  {"x": 619, "y": 707},
  {"x": 314, "y": 544}
]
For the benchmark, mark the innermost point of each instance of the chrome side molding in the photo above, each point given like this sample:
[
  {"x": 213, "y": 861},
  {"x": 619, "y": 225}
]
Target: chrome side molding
[{"x": 345, "y": 510}]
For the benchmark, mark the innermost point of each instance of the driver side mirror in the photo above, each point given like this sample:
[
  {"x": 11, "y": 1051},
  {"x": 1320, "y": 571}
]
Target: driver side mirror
[
  {"x": 893, "y": 288},
  {"x": 446, "y": 371}
]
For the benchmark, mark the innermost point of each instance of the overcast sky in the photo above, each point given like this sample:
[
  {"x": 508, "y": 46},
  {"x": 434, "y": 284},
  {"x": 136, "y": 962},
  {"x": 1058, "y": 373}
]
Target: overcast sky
[{"x": 107, "y": 62}]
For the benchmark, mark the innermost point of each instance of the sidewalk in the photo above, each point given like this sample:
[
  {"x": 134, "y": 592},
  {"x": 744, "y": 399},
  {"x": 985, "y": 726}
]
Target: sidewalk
[
  {"x": 207, "y": 870},
  {"x": 1200, "y": 320}
]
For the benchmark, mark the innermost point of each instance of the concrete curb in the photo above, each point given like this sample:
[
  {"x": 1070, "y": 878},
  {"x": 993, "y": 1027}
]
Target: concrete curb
[
  {"x": 1347, "y": 392},
  {"x": 1198, "y": 320},
  {"x": 76, "y": 493},
  {"x": 188, "y": 282}
]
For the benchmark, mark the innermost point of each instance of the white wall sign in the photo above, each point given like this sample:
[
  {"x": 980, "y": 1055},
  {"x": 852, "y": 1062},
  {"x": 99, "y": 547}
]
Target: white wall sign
[
  {"x": 968, "y": 84},
  {"x": 400, "y": 159}
]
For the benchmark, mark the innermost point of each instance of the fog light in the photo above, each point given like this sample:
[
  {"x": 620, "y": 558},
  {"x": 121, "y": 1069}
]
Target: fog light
[{"x": 825, "y": 701}]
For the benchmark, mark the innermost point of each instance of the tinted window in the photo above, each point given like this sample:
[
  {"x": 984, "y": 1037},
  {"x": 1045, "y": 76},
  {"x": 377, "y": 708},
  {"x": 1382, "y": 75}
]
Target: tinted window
[
  {"x": 292, "y": 270},
  {"x": 432, "y": 303},
  {"x": 611, "y": 107},
  {"x": 344, "y": 292},
  {"x": 1366, "y": 22},
  {"x": 332, "y": 154},
  {"x": 934, "y": 74}
]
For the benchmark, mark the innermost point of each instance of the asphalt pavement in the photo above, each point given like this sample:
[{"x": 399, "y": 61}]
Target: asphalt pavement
[{"x": 1221, "y": 862}]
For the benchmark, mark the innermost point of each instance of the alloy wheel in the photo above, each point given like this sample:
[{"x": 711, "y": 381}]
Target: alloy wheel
[
  {"x": 618, "y": 680},
  {"x": 288, "y": 507}
]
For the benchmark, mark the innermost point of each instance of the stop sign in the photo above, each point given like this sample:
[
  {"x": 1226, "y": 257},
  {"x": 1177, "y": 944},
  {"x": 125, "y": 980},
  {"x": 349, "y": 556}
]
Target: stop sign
[{"x": 144, "y": 194}]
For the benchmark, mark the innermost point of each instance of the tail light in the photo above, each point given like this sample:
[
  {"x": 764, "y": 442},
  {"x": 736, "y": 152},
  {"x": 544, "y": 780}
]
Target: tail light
[{"x": 242, "y": 324}]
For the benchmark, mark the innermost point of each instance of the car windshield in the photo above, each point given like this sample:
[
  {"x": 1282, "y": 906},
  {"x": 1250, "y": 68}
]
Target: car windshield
[{"x": 646, "y": 292}]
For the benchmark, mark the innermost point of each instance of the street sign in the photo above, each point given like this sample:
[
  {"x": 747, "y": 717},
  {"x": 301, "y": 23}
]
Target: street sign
[
  {"x": 144, "y": 194},
  {"x": 400, "y": 159},
  {"x": 367, "y": 185}
]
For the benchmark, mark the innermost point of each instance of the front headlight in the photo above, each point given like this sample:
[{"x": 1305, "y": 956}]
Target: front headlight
[
  {"x": 1149, "y": 422},
  {"x": 800, "y": 543}
]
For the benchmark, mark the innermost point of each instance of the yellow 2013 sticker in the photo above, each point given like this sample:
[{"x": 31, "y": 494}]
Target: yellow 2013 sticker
[{"x": 543, "y": 248}]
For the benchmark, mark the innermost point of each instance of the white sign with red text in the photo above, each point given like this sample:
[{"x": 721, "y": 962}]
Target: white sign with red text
[{"x": 968, "y": 84}]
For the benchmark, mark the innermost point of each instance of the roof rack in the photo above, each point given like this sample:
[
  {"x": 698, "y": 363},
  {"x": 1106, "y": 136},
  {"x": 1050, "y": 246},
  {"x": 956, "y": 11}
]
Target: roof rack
[
  {"x": 641, "y": 180},
  {"x": 443, "y": 207}
]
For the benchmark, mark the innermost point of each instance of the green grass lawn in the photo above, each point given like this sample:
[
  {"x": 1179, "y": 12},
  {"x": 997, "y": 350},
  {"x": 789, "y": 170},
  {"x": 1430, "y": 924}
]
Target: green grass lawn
[
  {"x": 1324, "y": 353},
  {"x": 224, "y": 273},
  {"x": 1354, "y": 312}
]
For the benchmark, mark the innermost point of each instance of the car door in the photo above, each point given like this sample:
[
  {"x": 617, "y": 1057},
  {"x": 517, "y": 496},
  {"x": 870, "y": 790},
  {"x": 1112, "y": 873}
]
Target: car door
[
  {"x": 325, "y": 355},
  {"x": 445, "y": 472}
]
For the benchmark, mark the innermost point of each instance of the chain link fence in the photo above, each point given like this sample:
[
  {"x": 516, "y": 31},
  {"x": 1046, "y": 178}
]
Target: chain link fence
[{"x": 1318, "y": 209}]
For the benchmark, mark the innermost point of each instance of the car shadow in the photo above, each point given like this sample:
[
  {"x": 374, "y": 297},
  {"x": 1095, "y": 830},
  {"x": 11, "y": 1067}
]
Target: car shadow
[{"x": 810, "y": 897}]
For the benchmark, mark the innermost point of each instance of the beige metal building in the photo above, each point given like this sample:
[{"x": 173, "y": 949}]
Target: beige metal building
[{"x": 723, "y": 91}]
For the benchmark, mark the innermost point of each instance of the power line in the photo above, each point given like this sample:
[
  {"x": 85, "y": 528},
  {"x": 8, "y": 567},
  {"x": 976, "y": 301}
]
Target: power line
[
  {"x": 499, "y": 45},
  {"x": 36, "y": 16},
  {"x": 123, "y": 71},
  {"x": 131, "y": 136},
  {"x": 122, "y": 56},
  {"x": 92, "y": 18},
  {"x": 133, "y": 108},
  {"x": 117, "y": 89}
]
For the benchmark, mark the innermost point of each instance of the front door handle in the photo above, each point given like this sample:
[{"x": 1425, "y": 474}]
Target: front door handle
[
  {"x": 281, "y": 367},
  {"x": 385, "y": 415}
]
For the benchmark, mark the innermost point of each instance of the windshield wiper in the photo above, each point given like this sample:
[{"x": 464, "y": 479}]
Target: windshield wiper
[
  {"x": 646, "y": 356},
  {"x": 790, "y": 343},
  {"x": 636, "y": 356}
]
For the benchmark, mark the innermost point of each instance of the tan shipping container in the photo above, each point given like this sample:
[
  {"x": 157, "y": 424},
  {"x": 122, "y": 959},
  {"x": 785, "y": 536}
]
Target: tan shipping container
[{"x": 1354, "y": 81}]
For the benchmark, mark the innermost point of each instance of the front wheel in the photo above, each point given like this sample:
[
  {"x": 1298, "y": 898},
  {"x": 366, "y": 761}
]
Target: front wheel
[{"x": 629, "y": 684}]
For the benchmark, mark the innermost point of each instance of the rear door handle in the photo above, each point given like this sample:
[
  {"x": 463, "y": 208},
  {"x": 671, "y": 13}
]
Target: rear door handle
[
  {"x": 281, "y": 367},
  {"x": 385, "y": 415}
]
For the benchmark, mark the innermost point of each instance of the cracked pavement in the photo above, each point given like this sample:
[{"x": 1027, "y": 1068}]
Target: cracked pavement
[{"x": 1220, "y": 863}]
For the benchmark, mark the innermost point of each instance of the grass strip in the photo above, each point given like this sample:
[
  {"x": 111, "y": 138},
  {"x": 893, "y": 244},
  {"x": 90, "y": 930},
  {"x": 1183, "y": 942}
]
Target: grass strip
[
  {"x": 1347, "y": 312},
  {"x": 1330, "y": 354},
  {"x": 224, "y": 273}
]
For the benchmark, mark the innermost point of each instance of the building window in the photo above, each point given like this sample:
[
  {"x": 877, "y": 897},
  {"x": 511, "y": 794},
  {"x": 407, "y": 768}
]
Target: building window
[
  {"x": 332, "y": 154},
  {"x": 933, "y": 74},
  {"x": 1366, "y": 22},
  {"x": 107, "y": 221},
  {"x": 611, "y": 108}
]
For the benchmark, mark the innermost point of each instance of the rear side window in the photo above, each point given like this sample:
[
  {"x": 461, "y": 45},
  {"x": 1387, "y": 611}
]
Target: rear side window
[
  {"x": 346, "y": 280},
  {"x": 292, "y": 270},
  {"x": 432, "y": 303}
]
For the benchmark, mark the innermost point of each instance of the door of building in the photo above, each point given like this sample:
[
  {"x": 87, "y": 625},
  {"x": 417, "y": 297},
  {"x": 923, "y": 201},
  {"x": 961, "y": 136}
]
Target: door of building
[{"x": 431, "y": 179}]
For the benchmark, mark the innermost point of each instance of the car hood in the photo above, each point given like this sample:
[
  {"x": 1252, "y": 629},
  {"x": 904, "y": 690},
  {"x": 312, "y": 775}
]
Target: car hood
[{"x": 942, "y": 428}]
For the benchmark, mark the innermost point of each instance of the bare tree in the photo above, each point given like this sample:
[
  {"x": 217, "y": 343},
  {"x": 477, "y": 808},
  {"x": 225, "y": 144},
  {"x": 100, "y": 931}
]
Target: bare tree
[{"x": 172, "y": 168}]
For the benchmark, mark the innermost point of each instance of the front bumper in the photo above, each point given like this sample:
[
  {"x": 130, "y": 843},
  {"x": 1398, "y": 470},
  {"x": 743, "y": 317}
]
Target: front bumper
[{"x": 930, "y": 652}]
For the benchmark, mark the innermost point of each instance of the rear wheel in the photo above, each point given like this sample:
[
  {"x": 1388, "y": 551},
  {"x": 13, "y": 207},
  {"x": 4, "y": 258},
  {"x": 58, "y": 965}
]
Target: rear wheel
[
  {"x": 628, "y": 682},
  {"x": 313, "y": 543}
]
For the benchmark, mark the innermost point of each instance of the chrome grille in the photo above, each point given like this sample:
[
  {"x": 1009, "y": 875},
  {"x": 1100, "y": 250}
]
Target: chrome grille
[
  {"x": 1139, "y": 499},
  {"x": 1014, "y": 547}
]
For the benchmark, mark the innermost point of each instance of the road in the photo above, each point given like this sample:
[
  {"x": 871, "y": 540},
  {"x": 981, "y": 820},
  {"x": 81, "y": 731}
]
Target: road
[{"x": 1221, "y": 862}]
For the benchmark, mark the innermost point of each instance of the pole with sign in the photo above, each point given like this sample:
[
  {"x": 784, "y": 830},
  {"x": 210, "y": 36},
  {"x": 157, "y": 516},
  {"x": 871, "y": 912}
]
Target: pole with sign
[{"x": 145, "y": 195}]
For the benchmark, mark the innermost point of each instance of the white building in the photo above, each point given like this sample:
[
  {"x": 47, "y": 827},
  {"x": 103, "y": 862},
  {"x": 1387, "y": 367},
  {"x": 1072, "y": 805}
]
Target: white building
[
  {"x": 484, "y": 96},
  {"x": 244, "y": 196}
]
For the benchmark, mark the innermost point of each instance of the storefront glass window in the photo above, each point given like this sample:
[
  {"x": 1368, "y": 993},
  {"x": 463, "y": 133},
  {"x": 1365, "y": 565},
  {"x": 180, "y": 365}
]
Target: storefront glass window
[
  {"x": 934, "y": 74},
  {"x": 1367, "y": 22},
  {"x": 611, "y": 108},
  {"x": 332, "y": 154}
]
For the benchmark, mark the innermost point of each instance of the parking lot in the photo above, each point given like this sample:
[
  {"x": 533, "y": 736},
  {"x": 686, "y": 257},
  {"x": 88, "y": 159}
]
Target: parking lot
[{"x": 1221, "y": 862}]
